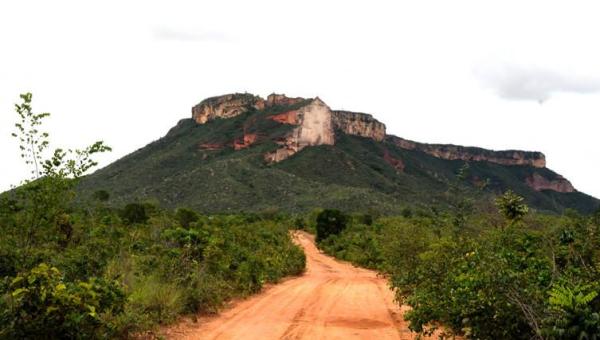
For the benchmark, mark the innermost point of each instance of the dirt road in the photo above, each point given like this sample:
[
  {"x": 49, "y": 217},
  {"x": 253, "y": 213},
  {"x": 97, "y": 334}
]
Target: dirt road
[{"x": 332, "y": 300}]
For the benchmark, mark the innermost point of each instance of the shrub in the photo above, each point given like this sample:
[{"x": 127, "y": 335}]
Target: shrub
[
  {"x": 205, "y": 292},
  {"x": 160, "y": 302},
  {"x": 134, "y": 213},
  {"x": 511, "y": 206},
  {"x": 186, "y": 217},
  {"x": 573, "y": 313},
  {"x": 330, "y": 222},
  {"x": 39, "y": 304}
]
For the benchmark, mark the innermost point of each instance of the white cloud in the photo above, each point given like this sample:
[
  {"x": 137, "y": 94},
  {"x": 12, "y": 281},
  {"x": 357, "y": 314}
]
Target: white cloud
[{"x": 534, "y": 83}]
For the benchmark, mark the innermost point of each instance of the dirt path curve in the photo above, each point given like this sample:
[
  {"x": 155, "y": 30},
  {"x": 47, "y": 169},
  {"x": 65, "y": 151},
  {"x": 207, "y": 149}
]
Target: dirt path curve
[{"x": 332, "y": 300}]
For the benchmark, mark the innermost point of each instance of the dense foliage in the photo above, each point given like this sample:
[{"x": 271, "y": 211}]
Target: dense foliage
[
  {"x": 112, "y": 277},
  {"x": 83, "y": 272},
  {"x": 505, "y": 275}
]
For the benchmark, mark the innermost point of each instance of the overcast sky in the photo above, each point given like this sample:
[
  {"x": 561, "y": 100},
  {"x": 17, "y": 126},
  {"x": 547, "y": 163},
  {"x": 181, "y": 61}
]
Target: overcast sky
[{"x": 500, "y": 75}]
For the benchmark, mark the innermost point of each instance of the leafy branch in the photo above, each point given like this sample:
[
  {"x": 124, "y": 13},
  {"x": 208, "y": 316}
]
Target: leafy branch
[
  {"x": 32, "y": 142},
  {"x": 70, "y": 163}
]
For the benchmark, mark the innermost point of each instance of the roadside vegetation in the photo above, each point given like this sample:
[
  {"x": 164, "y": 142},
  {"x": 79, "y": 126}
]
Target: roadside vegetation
[
  {"x": 496, "y": 271},
  {"x": 82, "y": 272}
]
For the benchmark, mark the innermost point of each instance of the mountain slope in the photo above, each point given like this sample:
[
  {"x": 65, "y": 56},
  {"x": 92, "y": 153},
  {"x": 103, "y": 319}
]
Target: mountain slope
[{"x": 242, "y": 153}]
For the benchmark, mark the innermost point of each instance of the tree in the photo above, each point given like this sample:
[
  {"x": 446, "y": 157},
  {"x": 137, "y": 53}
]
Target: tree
[
  {"x": 330, "y": 222},
  {"x": 44, "y": 198},
  {"x": 134, "y": 213},
  {"x": 33, "y": 143},
  {"x": 511, "y": 206},
  {"x": 186, "y": 217}
]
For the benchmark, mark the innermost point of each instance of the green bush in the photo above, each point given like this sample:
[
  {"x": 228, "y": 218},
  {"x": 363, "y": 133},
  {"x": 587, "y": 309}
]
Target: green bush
[
  {"x": 478, "y": 288},
  {"x": 186, "y": 217},
  {"x": 573, "y": 312},
  {"x": 330, "y": 222},
  {"x": 204, "y": 292},
  {"x": 134, "y": 213},
  {"x": 158, "y": 301},
  {"x": 39, "y": 304}
]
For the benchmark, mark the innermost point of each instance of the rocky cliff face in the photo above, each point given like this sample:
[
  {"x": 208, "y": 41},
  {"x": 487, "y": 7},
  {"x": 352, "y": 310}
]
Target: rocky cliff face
[
  {"x": 281, "y": 99},
  {"x": 359, "y": 124},
  {"x": 227, "y": 106},
  {"x": 314, "y": 128},
  {"x": 560, "y": 184},
  {"x": 315, "y": 124},
  {"x": 231, "y": 105},
  {"x": 455, "y": 152},
  {"x": 316, "y": 121}
]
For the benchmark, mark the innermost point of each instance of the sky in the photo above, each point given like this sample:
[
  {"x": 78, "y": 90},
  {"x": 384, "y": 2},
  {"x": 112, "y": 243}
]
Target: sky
[{"x": 494, "y": 74}]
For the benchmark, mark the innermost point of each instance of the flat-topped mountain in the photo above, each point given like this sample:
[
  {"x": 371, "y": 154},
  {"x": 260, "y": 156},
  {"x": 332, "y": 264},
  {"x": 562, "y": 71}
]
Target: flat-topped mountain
[{"x": 242, "y": 152}]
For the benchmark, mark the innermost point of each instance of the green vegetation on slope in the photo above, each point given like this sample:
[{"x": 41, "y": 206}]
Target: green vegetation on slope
[{"x": 197, "y": 166}]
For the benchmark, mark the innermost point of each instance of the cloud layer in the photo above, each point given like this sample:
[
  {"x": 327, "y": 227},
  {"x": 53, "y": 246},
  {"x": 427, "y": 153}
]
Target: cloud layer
[{"x": 532, "y": 83}]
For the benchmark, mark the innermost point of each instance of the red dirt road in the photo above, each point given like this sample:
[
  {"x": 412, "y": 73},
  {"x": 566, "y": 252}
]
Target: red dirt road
[{"x": 332, "y": 300}]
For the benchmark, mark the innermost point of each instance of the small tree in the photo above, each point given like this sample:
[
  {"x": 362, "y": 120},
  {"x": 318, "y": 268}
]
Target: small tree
[
  {"x": 33, "y": 143},
  {"x": 511, "y": 206},
  {"x": 460, "y": 200},
  {"x": 45, "y": 196},
  {"x": 330, "y": 222},
  {"x": 186, "y": 217},
  {"x": 134, "y": 213}
]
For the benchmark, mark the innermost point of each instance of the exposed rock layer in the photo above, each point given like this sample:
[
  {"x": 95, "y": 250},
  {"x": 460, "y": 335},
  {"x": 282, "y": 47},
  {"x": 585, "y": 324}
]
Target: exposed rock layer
[
  {"x": 359, "y": 124},
  {"x": 246, "y": 141},
  {"x": 281, "y": 99},
  {"x": 455, "y": 152},
  {"x": 315, "y": 124},
  {"x": 395, "y": 162},
  {"x": 538, "y": 183},
  {"x": 227, "y": 106},
  {"x": 289, "y": 117},
  {"x": 231, "y": 105},
  {"x": 314, "y": 128}
]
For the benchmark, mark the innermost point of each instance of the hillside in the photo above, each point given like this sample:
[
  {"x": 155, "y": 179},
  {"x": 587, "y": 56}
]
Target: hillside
[{"x": 239, "y": 152}]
